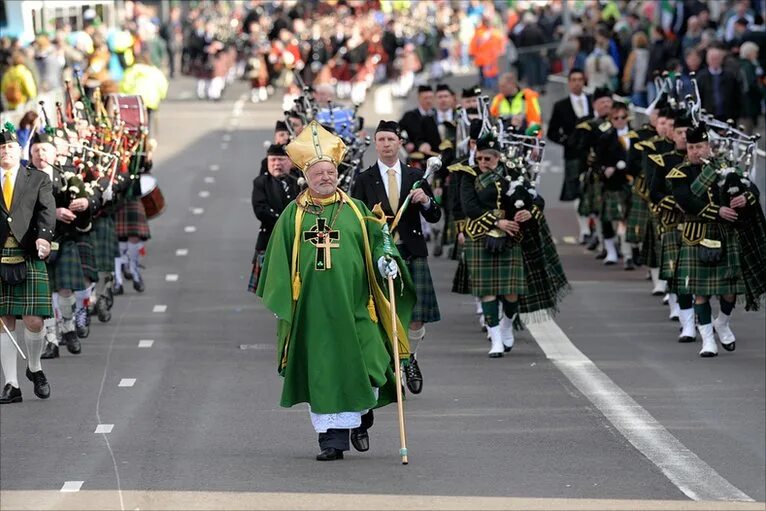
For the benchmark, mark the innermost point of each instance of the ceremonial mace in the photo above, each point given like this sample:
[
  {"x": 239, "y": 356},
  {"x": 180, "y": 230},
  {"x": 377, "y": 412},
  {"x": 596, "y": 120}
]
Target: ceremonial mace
[
  {"x": 23, "y": 357},
  {"x": 388, "y": 250},
  {"x": 433, "y": 164}
]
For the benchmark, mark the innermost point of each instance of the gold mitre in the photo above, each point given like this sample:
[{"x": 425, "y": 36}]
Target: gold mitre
[{"x": 315, "y": 144}]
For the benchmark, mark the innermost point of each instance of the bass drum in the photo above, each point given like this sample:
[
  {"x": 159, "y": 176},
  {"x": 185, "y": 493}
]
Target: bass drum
[
  {"x": 131, "y": 110},
  {"x": 151, "y": 196}
]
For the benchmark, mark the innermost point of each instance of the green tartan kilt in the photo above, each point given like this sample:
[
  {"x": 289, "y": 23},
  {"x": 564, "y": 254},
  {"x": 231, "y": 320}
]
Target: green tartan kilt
[
  {"x": 105, "y": 245},
  {"x": 638, "y": 217},
  {"x": 590, "y": 195},
  {"x": 426, "y": 308},
  {"x": 495, "y": 274},
  {"x": 66, "y": 272},
  {"x": 30, "y": 298},
  {"x": 614, "y": 205},
  {"x": 670, "y": 244},
  {"x": 461, "y": 282},
  {"x": 87, "y": 257},
  {"x": 650, "y": 248},
  {"x": 725, "y": 278},
  {"x": 131, "y": 221}
]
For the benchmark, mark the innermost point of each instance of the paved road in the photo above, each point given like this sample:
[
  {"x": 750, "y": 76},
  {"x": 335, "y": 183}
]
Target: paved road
[{"x": 605, "y": 405}]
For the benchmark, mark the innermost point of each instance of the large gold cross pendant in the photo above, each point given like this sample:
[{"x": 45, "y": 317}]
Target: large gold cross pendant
[{"x": 324, "y": 239}]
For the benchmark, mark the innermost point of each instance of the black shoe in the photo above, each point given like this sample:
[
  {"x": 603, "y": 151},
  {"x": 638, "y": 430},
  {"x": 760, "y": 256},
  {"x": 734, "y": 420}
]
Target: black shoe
[
  {"x": 51, "y": 351},
  {"x": 42, "y": 388},
  {"x": 496, "y": 355},
  {"x": 117, "y": 290},
  {"x": 729, "y": 347},
  {"x": 593, "y": 243},
  {"x": 601, "y": 255},
  {"x": 102, "y": 310},
  {"x": 10, "y": 394},
  {"x": 636, "y": 256},
  {"x": 708, "y": 354},
  {"x": 413, "y": 376},
  {"x": 360, "y": 439},
  {"x": 82, "y": 323},
  {"x": 138, "y": 284},
  {"x": 72, "y": 342},
  {"x": 126, "y": 272},
  {"x": 330, "y": 454},
  {"x": 629, "y": 266},
  {"x": 686, "y": 338}
]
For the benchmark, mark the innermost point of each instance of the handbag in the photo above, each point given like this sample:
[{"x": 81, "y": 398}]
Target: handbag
[
  {"x": 13, "y": 273},
  {"x": 495, "y": 245},
  {"x": 710, "y": 250}
]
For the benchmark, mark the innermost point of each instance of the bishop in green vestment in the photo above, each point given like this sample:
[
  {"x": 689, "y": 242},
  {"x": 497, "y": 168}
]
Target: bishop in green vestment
[{"x": 324, "y": 278}]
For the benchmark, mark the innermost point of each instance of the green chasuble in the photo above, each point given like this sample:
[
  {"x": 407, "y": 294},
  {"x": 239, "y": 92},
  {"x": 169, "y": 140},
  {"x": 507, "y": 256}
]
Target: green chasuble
[{"x": 320, "y": 278}]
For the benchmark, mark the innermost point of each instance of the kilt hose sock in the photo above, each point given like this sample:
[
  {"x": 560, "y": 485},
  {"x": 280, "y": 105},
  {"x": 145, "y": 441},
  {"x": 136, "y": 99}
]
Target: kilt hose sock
[
  {"x": 50, "y": 331},
  {"x": 416, "y": 337},
  {"x": 8, "y": 359},
  {"x": 703, "y": 313},
  {"x": 133, "y": 258},
  {"x": 726, "y": 307},
  {"x": 34, "y": 342},
  {"x": 491, "y": 311},
  {"x": 66, "y": 304}
]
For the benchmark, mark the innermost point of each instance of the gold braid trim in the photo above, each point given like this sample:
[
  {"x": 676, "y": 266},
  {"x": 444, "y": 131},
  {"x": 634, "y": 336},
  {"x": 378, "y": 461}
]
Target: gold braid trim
[{"x": 479, "y": 227}]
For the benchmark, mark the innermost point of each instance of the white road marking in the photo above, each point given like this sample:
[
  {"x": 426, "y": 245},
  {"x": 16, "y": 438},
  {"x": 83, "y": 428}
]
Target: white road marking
[
  {"x": 204, "y": 194},
  {"x": 190, "y": 228},
  {"x": 171, "y": 277},
  {"x": 185, "y": 95},
  {"x": 145, "y": 343},
  {"x": 104, "y": 428},
  {"x": 695, "y": 478},
  {"x": 127, "y": 382},
  {"x": 226, "y": 137},
  {"x": 215, "y": 167},
  {"x": 182, "y": 252},
  {"x": 209, "y": 179},
  {"x": 71, "y": 486},
  {"x": 569, "y": 240},
  {"x": 160, "y": 308},
  {"x": 224, "y": 146},
  {"x": 197, "y": 211}
]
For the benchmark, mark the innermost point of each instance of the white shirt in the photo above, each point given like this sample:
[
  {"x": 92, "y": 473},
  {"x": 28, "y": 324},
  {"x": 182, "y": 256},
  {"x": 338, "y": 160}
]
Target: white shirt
[
  {"x": 579, "y": 104},
  {"x": 425, "y": 113},
  {"x": 14, "y": 173},
  {"x": 623, "y": 134},
  {"x": 384, "y": 174},
  {"x": 445, "y": 116}
]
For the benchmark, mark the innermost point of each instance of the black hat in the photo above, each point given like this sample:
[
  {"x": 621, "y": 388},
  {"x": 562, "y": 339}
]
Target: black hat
[
  {"x": 444, "y": 86},
  {"x": 41, "y": 137},
  {"x": 697, "y": 134},
  {"x": 662, "y": 102},
  {"x": 280, "y": 126},
  {"x": 475, "y": 129},
  {"x": 276, "y": 150},
  {"x": 391, "y": 126},
  {"x": 487, "y": 142},
  {"x": 425, "y": 88},
  {"x": 601, "y": 92},
  {"x": 667, "y": 112},
  {"x": 684, "y": 120},
  {"x": 472, "y": 111},
  {"x": 472, "y": 92},
  {"x": 8, "y": 134}
]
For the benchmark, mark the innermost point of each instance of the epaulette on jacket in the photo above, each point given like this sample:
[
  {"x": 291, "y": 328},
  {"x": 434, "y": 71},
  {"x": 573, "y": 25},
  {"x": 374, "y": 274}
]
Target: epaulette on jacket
[
  {"x": 585, "y": 125},
  {"x": 632, "y": 134},
  {"x": 676, "y": 173},
  {"x": 604, "y": 126},
  {"x": 657, "y": 158},
  {"x": 461, "y": 167},
  {"x": 446, "y": 144}
]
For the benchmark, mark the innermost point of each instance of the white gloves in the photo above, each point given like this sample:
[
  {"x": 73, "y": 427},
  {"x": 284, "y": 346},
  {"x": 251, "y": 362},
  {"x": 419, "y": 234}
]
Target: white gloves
[
  {"x": 388, "y": 268},
  {"x": 108, "y": 194}
]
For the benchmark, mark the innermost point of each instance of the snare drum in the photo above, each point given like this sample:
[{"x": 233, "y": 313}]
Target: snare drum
[
  {"x": 151, "y": 196},
  {"x": 131, "y": 110}
]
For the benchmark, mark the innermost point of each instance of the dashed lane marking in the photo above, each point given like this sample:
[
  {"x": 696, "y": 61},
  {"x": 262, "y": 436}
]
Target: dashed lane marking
[
  {"x": 197, "y": 211},
  {"x": 72, "y": 486},
  {"x": 190, "y": 228},
  {"x": 127, "y": 382},
  {"x": 209, "y": 179},
  {"x": 215, "y": 167},
  {"x": 145, "y": 343},
  {"x": 160, "y": 308},
  {"x": 204, "y": 194},
  {"x": 569, "y": 240},
  {"x": 171, "y": 277},
  {"x": 224, "y": 146},
  {"x": 182, "y": 252},
  {"x": 104, "y": 428},
  {"x": 226, "y": 137}
]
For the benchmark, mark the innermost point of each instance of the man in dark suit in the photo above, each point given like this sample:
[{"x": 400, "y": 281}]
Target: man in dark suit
[
  {"x": 720, "y": 88},
  {"x": 272, "y": 192},
  {"x": 568, "y": 113},
  {"x": 389, "y": 182},
  {"x": 27, "y": 220},
  {"x": 422, "y": 132}
]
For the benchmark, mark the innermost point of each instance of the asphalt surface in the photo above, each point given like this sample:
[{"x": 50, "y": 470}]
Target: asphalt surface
[{"x": 203, "y": 412}]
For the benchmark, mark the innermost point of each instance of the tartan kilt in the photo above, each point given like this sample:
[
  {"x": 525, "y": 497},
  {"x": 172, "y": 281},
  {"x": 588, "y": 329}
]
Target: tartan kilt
[
  {"x": 105, "y": 244},
  {"x": 426, "y": 308},
  {"x": 255, "y": 273},
  {"x": 590, "y": 195},
  {"x": 614, "y": 205},
  {"x": 30, "y": 298},
  {"x": 87, "y": 257},
  {"x": 725, "y": 278},
  {"x": 495, "y": 274},
  {"x": 670, "y": 244},
  {"x": 461, "y": 282},
  {"x": 66, "y": 271},
  {"x": 650, "y": 248},
  {"x": 638, "y": 217},
  {"x": 131, "y": 221}
]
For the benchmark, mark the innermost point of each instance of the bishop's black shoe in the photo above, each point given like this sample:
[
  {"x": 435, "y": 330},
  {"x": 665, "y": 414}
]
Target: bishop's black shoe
[
  {"x": 138, "y": 284},
  {"x": 10, "y": 394},
  {"x": 360, "y": 439},
  {"x": 72, "y": 342},
  {"x": 42, "y": 388},
  {"x": 329, "y": 454},
  {"x": 50, "y": 351},
  {"x": 413, "y": 376}
]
